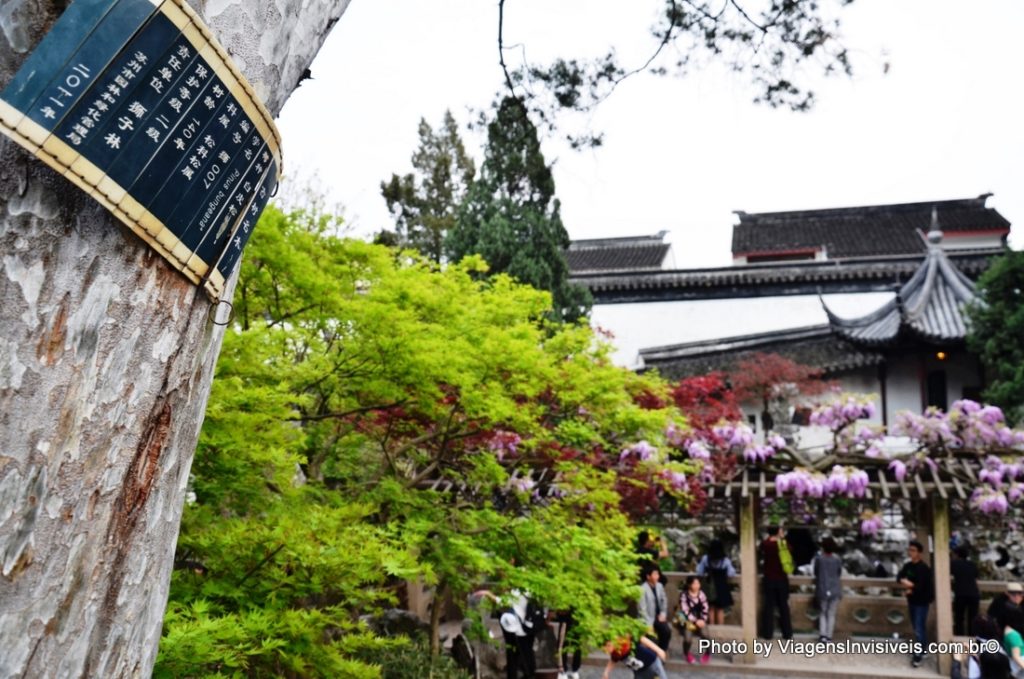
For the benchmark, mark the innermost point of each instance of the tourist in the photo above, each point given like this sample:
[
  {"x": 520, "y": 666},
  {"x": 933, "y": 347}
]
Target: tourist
[
  {"x": 1015, "y": 594},
  {"x": 568, "y": 643},
  {"x": 918, "y": 587},
  {"x": 693, "y": 617},
  {"x": 716, "y": 568},
  {"x": 966, "y": 596},
  {"x": 1012, "y": 624},
  {"x": 651, "y": 547},
  {"x": 645, "y": 658},
  {"x": 987, "y": 663},
  {"x": 520, "y": 621},
  {"x": 775, "y": 585},
  {"x": 653, "y": 605},
  {"x": 828, "y": 587}
]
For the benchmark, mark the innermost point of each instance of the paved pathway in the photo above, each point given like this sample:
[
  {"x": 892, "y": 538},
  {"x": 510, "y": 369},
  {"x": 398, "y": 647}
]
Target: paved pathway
[
  {"x": 622, "y": 673},
  {"x": 778, "y": 664}
]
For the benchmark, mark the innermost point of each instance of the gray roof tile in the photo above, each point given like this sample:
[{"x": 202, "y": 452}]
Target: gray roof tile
[{"x": 860, "y": 231}]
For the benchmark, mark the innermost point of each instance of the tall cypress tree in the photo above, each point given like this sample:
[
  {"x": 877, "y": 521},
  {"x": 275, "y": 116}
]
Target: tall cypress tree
[
  {"x": 425, "y": 204},
  {"x": 511, "y": 216}
]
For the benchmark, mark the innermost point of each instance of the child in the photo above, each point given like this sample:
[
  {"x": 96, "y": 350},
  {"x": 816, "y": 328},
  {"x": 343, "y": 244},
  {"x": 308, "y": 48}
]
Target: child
[
  {"x": 693, "y": 617},
  {"x": 644, "y": 658}
]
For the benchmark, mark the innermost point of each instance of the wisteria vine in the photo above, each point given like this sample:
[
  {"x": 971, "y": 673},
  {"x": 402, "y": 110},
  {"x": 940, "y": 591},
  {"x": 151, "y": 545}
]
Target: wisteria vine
[{"x": 913, "y": 443}]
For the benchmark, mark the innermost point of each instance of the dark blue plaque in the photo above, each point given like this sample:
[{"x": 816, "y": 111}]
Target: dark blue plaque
[{"x": 131, "y": 101}]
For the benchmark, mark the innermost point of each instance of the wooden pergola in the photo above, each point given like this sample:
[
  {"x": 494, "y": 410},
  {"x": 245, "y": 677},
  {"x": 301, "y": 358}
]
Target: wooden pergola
[{"x": 928, "y": 487}]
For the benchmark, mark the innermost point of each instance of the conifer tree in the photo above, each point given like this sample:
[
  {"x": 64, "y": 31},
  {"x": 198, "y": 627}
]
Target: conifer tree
[
  {"x": 511, "y": 216},
  {"x": 425, "y": 203}
]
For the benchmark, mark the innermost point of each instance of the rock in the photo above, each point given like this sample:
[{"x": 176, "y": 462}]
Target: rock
[
  {"x": 397, "y": 622},
  {"x": 546, "y": 648},
  {"x": 463, "y": 655},
  {"x": 857, "y": 563},
  {"x": 687, "y": 545}
]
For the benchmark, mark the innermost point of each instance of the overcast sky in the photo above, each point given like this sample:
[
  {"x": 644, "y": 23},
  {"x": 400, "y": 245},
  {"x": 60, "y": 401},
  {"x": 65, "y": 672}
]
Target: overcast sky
[{"x": 680, "y": 154}]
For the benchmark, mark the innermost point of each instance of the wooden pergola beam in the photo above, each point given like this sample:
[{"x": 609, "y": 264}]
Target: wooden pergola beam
[{"x": 884, "y": 483}]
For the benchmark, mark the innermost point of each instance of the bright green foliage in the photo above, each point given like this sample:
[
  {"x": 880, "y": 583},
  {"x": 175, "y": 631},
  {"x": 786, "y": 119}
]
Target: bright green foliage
[
  {"x": 511, "y": 216},
  {"x": 417, "y": 403},
  {"x": 425, "y": 205},
  {"x": 997, "y": 333},
  {"x": 412, "y": 661}
]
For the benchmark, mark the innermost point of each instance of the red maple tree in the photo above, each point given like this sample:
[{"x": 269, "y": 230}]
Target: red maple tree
[{"x": 759, "y": 377}]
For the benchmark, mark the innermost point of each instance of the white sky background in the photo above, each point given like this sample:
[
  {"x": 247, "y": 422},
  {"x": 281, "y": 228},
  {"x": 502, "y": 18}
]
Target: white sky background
[{"x": 680, "y": 153}]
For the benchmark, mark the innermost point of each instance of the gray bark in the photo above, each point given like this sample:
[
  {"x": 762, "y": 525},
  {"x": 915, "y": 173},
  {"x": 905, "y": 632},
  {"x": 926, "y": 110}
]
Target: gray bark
[{"x": 106, "y": 358}]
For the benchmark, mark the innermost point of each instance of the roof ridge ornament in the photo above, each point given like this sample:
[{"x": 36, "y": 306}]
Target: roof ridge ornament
[{"x": 934, "y": 236}]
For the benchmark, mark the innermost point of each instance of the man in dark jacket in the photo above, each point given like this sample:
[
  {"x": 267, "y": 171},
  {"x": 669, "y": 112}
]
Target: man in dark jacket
[
  {"x": 919, "y": 587},
  {"x": 966, "y": 596},
  {"x": 776, "y": 587}
]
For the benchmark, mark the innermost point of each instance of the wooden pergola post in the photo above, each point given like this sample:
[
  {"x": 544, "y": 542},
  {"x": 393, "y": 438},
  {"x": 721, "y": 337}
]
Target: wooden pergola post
[
  {"x": 943, "y": 590},
  {"x": 748, "y": 575}
]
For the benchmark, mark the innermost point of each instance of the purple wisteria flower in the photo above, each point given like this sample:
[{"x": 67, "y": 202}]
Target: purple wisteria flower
[
  {"x": 738, "y": 438},
  {"x": 734, "y": 434},
  {"x": 846, "y": 410},
  {"x": 697, "y": 449},
  {"x": 758, "y": 453},
  {"x": 504, "y": 442},
  {"x": 992, "y": 471},
  {"x": 674, "y": 435},
  {"x": 989, "y": 501},
  {"x": 801, "y": 483},
  {"x": 523, "y": 484},
  {"x": 849, "y": 481},
  {"x": 642, "y": 451},
  {"x": 870, "y": 523},
  {"x": 677, "y": 480},
  {"x": 899, "y": 469}
]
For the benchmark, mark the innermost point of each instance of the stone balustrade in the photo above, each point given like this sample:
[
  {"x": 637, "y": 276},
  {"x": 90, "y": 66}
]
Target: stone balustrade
[{"x": 870, "y": 606}]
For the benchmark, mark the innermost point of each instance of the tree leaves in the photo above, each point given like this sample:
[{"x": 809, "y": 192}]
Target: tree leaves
[
  {"x": 378, "y": 419},
  {"x": 996, "y": 332}
]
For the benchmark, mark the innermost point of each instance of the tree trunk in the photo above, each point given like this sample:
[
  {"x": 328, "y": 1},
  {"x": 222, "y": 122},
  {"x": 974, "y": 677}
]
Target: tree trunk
[
  {"x": 106, "y": 357},
  {"x": 436, "y": 611}
]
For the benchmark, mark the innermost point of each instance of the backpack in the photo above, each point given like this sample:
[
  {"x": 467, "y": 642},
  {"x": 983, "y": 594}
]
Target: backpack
[
  {"x": 535, "y": 618},
  {"x": 709, "y": 582},
  {"x": 785, "y": 558}
]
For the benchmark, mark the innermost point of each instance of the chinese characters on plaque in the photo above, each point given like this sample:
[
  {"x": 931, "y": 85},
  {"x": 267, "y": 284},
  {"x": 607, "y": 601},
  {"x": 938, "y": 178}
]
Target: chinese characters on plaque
[{"x": 135, "y": 102}]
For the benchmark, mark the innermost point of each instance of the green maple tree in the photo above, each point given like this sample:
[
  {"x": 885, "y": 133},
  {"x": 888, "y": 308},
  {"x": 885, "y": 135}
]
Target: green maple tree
[{"x": 377, "y": 419}]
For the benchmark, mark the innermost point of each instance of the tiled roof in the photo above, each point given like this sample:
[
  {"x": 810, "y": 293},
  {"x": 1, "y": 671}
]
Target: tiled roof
[
  {"x": 636, "y": 253},
  {"x": 817, "y": 346},
  {"x": 930, "y": 305},
  {"x": 852, "y": 275},
  {"x": 861, "y": 231}
]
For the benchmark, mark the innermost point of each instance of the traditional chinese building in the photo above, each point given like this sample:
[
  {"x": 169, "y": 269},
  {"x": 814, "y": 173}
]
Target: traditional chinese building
[{"x": 874, "y": 296}]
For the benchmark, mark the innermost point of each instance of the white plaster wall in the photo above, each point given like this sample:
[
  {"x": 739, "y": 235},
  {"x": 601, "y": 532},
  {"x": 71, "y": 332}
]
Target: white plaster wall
[
  {"x": 651, "y": 324},
  {"x": 953, "y": 241},
  {"x": 903, "y": 385}
]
